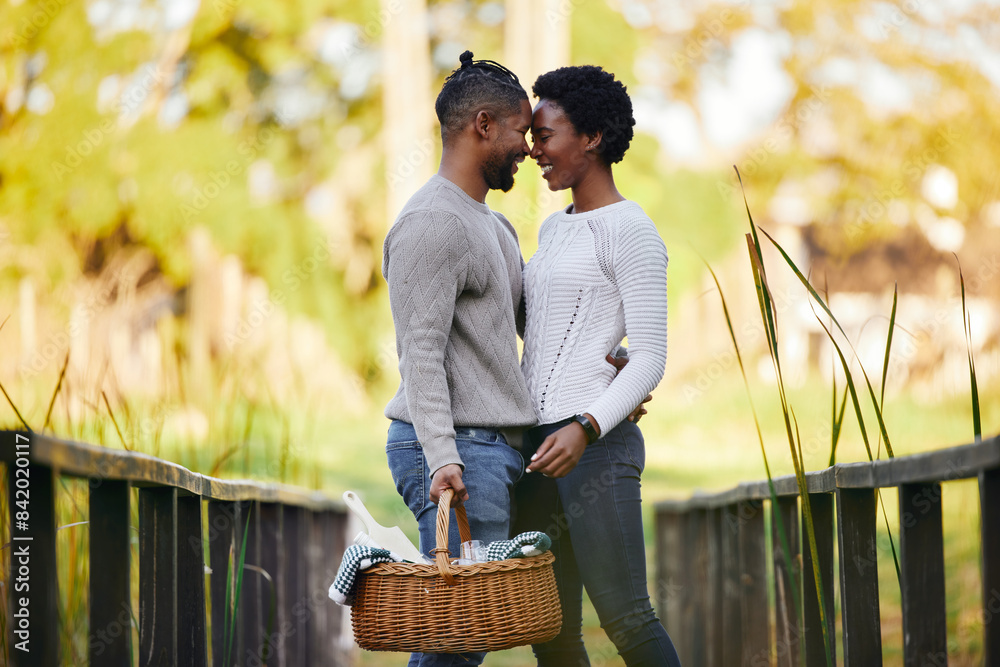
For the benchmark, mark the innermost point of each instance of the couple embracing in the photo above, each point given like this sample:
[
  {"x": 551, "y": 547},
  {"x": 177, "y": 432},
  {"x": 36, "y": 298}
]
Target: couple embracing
[{"x": 547, "y": 442}]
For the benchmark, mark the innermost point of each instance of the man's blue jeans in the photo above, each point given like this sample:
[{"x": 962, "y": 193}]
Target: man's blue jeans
[
  {"x": 491, "y": 469},
  {"x": 594, "y": 518}
]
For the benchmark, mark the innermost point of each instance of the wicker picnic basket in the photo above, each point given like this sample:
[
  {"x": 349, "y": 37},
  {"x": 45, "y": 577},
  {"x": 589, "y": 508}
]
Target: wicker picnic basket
[{"x": 445, "y": 608}]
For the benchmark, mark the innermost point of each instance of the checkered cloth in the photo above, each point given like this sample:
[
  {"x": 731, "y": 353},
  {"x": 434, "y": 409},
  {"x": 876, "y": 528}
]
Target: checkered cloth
[
  {"x": 526, "y": 544},
  {"x": 357, "y": 558}
]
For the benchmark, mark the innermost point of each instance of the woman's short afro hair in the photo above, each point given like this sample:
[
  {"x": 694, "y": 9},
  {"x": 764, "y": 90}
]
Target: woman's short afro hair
[{"x": 593, "y": 100}]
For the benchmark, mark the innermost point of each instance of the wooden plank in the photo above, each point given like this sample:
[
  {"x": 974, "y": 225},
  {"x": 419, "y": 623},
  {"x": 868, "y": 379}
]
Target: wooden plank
[
  {"x": 671, "y": 572},
  {"x": 272, "y": 591},
  {"x": 109, "y": 576},
  {"x": 682, "y": 624},
  {"x": 989, "y": 505},
  {"x": 754, "y": 616},
  {"x": 294, "y": 534},
  {"x": 787, "y": 570},
  {"x": 253, "y": 623},
  {"x": 732, "y": 616},
  {"x": 158, "y": 577},
  {"x": 340, "y": 639},
  {"x": 715, "y": 632},
  {"x": 822, "y": 515},
  {"x": 696, "y": 531},
  {"x": 223, "y": 519},
  {"x": 859, "y": 601},
  {"x": 316, "y": 596},
  {"x": 33, "y": 614},
  {"x": 192, "y": 646},
  {"x": 921, "y": 564}
]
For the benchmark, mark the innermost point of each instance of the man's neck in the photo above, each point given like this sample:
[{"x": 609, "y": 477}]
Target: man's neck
[{"x": 465, "y": 173}]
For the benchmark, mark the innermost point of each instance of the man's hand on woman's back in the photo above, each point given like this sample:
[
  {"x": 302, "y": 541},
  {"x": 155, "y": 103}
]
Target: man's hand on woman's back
[{"x": 619, "y": 363}]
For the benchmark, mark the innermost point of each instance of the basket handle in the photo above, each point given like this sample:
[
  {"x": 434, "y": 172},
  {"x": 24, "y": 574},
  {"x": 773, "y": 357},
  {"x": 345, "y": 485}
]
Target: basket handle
[{"x": 441, "y": 553}]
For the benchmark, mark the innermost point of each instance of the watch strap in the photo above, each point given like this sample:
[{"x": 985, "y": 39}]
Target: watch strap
[{"x": 588, "y": 427}]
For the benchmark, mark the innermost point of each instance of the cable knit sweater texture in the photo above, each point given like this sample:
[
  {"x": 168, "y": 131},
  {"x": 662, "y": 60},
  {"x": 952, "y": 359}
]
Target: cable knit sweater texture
[
  {"x": 596, "y": 278},
  {"x": 454, "y": 272}
]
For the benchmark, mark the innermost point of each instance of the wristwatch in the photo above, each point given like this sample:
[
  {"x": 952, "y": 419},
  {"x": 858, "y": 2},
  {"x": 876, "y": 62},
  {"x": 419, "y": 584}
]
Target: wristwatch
[{"x": 588, "y": 427}]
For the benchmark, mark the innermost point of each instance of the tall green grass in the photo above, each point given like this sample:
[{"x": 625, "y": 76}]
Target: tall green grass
[
  {"x": 769, "y": 316},
  {"x": 769, "y": 313}
]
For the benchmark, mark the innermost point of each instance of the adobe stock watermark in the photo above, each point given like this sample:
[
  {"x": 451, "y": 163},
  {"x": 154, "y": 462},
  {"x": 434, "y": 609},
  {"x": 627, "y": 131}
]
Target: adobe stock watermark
[
  {"x": 127, "y": 106},
  {"x": 875, "y": 208},
  {"x": 722, "y": 362},
  {"x": 696, "y": 44},
  {"x": 29, "y": 26},
  {"x": 907, "y": 347},
  {"x": 897, "y": 17},
  {"x": 300, "y": 613},
  {"x": 561, "y": 13},
  {"x": 293, "y": 278},
  {"x": 369, "y": 31},
  {"x": 219, "y": 180},
  {"x": 782, "y": 131},
  {"x": 408, "y": 164},
  {"x": 102, "y": 638},
  {"x": 58, "y": 343}
]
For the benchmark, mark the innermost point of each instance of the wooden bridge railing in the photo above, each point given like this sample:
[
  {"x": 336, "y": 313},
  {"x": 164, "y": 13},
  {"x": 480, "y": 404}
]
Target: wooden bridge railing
[
  {"x": 713, "y": 569},
  {"x": 293, "y": 535}
]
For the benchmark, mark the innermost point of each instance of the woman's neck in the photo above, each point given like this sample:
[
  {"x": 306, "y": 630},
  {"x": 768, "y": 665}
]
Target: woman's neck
[{"x": 596, "y": 190}]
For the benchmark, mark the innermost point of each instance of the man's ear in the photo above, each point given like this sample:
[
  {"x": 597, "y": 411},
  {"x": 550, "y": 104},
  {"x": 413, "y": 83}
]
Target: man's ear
[{"x": 485, "y": 124}]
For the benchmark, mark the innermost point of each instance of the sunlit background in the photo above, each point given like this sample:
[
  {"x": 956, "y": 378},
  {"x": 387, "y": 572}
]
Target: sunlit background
[{"x": 194, "y": 195}]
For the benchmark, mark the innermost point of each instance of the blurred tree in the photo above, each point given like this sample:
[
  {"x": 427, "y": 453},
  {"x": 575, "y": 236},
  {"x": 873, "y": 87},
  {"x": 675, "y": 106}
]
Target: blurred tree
[{"x": 884, "y": 110}]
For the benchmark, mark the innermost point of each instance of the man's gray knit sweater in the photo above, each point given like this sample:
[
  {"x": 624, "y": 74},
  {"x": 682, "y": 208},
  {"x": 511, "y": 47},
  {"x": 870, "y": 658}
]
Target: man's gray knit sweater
[{"x": 454, "y": 273}]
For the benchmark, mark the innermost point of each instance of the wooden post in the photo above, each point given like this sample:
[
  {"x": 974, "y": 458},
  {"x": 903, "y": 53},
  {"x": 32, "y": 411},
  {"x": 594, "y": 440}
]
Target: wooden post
[
  {"x": 732, "y": 616},
  {"x": 755, "y": 619},
  {"x": 786, "y": 572},
  {"x": 158, "y": 576},
  {"x": 715, "y": 632},
  {"x": 192, "y": 646},
  {"x": 223, "y": 522},
  {"x": 316, "y": 597},
  {"x": 697, "y": 548},
  {"x": 989, "y": 504},
  {"x": 671, "y": 573},
  {"x": 273, "y": 591},
  {"x": 339, "y": 643},
  {"x": 859, "y": 577},
  {"x": 921, "y": 562},
  {"x": 32, "y": 563},
  {"x": 110, "y": 583},
  {"x": 295, "y": 589},
  {"x": 253, "y": 635},
  {"x": 822, "y": 514}
]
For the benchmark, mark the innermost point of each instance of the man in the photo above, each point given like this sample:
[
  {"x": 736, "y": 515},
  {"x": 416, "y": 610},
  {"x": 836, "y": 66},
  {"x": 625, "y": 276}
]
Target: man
[{"x": 453, "y": 267}]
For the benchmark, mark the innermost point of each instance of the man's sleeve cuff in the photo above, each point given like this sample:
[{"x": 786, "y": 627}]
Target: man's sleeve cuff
[{"x": 440, "y": 452}]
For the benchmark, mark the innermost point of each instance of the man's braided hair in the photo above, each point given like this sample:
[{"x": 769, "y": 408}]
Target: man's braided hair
[{"x": 477, "y": 85}]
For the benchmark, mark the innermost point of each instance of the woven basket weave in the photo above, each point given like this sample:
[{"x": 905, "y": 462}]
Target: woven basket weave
[{"x": 444, "y": 608}]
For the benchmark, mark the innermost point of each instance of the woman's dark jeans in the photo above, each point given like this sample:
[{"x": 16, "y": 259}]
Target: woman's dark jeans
[{"x": 594, "y": 518}]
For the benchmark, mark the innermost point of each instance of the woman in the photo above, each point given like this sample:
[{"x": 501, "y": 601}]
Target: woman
[{"x": 598, "y": 276}]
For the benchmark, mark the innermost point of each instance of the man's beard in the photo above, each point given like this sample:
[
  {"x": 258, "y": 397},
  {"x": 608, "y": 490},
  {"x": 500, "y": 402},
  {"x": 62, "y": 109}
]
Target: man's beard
[{"x": 498, "y": 171}]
